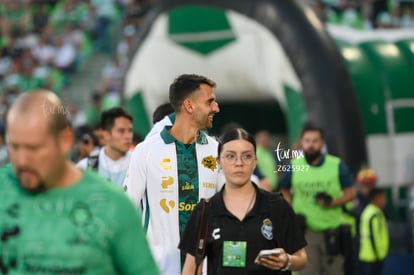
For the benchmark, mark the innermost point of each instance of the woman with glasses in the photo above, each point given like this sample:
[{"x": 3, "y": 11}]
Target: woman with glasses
[{"x": 242, "y": 220}]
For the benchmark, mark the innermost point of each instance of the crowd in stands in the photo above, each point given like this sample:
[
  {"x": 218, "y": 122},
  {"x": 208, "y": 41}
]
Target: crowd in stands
[
  {"x": 43, "y": 43},
  {"x": 366, "y": 14}
]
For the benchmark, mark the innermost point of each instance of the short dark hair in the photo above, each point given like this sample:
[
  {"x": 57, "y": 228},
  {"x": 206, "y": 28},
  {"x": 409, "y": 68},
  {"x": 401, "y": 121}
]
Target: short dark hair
[
  {"x": 375, "y": 192},
  {"x": 161, "y": 111},
  {"x": 84, "y": 134},
  {"x": 236, "y": 134},
  {"x": 108, "y": 117},
  {"x": 184, "y": 85},
  {"x": 310, "y": 127}
]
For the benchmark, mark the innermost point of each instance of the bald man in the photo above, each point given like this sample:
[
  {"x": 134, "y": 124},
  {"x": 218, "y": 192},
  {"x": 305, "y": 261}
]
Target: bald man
[{"x": 55, "y": 218}]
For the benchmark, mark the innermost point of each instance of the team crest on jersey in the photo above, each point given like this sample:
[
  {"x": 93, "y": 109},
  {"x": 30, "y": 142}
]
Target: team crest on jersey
[
  {"x": 209, "y": 162},
  {"x": 267, "y": 229}
]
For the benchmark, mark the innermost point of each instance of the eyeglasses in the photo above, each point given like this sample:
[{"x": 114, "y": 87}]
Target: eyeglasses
[{"x": 231, "y": 158}]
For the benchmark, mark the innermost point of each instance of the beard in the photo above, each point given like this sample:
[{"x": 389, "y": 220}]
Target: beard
[
  {"x": 312, "y": 156},
  {"x": 29, "y": 185},
  {"x": 204, "y": 122}
]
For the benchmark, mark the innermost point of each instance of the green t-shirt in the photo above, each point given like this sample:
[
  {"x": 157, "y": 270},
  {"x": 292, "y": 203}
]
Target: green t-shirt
[
  {"x": 267, "y": 165},
  {"x": 90, "y": 227}
]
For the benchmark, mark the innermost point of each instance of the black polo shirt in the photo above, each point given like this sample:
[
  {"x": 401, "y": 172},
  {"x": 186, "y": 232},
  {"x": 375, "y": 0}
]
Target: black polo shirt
[{"x": 255, "y": 229}]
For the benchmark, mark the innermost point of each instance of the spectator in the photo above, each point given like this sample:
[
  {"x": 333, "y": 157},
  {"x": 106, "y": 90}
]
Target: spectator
[
  {"x": 93, "y": 110},
  {"x": 85, "y": 142},
  {"x": 104, "y": 12},
  {"x": 266, "y": 161},
  {"x": 98, "y": 131},
  {"x": 65, "y": 56},
  {"x": 161, "y": 111},
  {"x": 125, "y": 44},
  {"x": 112, "y": 160}
]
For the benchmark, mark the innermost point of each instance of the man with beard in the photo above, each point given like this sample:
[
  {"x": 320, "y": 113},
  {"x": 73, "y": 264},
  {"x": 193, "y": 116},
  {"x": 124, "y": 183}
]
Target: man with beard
[
  {"x": 321, "y": 184},
  {"x": 54, "y": 217},
  {"x": 173, "y": 168}
]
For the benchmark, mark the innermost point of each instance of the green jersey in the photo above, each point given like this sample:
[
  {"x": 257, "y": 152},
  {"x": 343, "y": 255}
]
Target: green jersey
[{"x": 90, "y": 227}]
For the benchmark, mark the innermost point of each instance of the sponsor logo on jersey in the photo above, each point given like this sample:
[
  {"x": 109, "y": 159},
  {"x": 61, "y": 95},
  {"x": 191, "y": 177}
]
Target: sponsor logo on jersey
[
  {"x": 216, "y": 233},
  {"x": 166, "y": 164},
  {"x": 209, "y": 185},
  {"x": 166, "y": 181},
  {"x": 186, "y": 206},
  {"x": 167, "y": 206},
  {"x": 187, "y": 186}
]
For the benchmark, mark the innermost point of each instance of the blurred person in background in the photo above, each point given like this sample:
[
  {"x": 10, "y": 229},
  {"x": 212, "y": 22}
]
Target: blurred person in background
[
  {"x": 320, "y": 184},
  {"x": 112, "y": 160},
  {"x": 85, "y": 143},
  {"x": 98, "y": 132},
  {"x": 265, "y": 158},
  {"x": 374, "y": 236},
  {"x": 56, "y": 218},
  {"x": 4, "y": 155},
  {"x": 365, "y": 180}
]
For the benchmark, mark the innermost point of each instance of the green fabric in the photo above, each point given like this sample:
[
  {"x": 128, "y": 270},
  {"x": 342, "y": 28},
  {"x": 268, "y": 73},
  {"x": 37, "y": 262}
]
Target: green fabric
[
  {"x": 368, "y": 88},
  {"x": 136, "y": 107},
  {"x": 187, "y": 181},
  {"x": 90, "y": 227},
  {"x": 307, "y": 182},
  {"x": 76, "y": 16},
  {"x": 379, "y": 235},
  {"x": 267, "y": 165},
  {"x": 201, "y": 29},
  {"x": 349, "y": 218},
  {"x": 295, "y": 112},
  {"x": 17, "y": 17},
  {"x": 395, "y": 73},
  {"x": 57, "y": 80},
  {"x": 110, "y": 100},
  {"x": 29, "y": 83},
  {"x": 93, "y": 115}
]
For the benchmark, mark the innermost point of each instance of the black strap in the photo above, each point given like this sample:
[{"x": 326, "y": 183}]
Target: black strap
[
  {"x": 202, "y": 232},
  {"x": 93, "y": 160}
]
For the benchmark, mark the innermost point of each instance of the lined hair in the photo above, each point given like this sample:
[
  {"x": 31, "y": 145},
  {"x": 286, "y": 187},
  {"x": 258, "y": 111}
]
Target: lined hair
[{"x": 236, "y": 134}]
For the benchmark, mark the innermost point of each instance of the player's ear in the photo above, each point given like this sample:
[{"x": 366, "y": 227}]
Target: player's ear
[
  {"x": 188, "y": 105},
  {"x": 66, "y": 138}
]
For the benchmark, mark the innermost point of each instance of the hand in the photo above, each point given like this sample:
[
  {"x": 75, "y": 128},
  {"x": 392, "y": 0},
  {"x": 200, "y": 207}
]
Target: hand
[
  {"x": 274, "y": 262},
  {"x": 324, "y": 199}
]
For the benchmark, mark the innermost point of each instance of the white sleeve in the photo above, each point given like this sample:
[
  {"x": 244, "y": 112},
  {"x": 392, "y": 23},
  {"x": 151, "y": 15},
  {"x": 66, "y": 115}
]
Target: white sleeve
[
  {"x": 82, "y": 164},
  {"x": 136, "y": 176}
]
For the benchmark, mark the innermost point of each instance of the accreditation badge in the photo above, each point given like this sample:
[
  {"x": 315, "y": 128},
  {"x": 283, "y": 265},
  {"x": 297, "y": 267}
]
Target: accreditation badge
[{"x": 234, "y": 254}]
